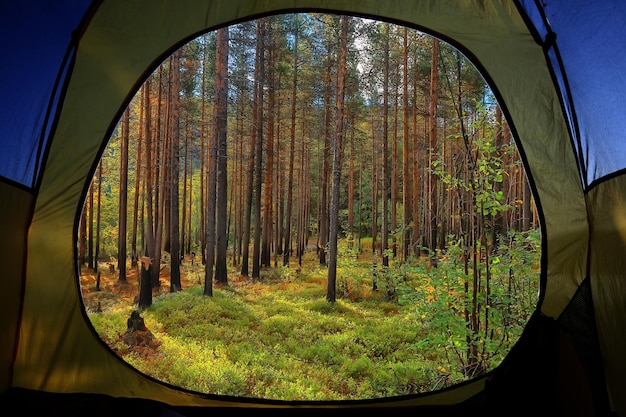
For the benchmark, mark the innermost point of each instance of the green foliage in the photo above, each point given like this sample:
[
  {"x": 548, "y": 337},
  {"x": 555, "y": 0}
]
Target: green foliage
[
  {"x": 442, "y": 296},
  {"x": 280, "y": 339}
]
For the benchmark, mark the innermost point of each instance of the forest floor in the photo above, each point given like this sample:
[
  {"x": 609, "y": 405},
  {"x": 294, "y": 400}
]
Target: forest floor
[
  {"x": 279, "y": 338},
  {"x": 110, "y": 291},
  {"x": 103, "y": 291}
]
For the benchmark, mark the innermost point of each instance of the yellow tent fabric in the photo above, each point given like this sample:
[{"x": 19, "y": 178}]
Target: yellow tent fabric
[{"x": 50, "y": 346}]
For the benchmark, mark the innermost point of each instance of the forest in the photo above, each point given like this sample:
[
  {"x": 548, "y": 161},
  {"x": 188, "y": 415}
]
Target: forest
[{"x": 370, "y": 159}]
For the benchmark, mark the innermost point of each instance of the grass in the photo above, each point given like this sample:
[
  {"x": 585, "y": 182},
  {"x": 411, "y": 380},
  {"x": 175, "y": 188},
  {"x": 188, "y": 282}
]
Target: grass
[{"x": 280, "y": 339}]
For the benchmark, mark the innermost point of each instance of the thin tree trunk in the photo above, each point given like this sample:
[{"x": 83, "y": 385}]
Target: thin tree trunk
[
  {"x": 210, "y": 211},
  {"x": 323, "y": 192},
  {"x": 149, "y": 181},
  {"x": 301, "y": 196},
  {"x": 159, "y": 192},
  {"x": 186, "y": 209},
  {"x": 432, "y": 112},
  {"x": 174, "y": 177},
  {"x": 203, "y": 157},
  {"x": 337, "y": 162},
  {"x": 269, "y": 158},
  {"x": 123, "y": 198},
  {"x": 385, "y": 139},
  {"x": 394, "y": 166},
  {"x": 221, "y": 113},
  {"x": 292, "y": 146},
  {"x": 98, "y": 218},
  {"x": 90, "y": 260},
  {"x": 82, "y": 237},
  {"x": 406, "y": 167},
  {"x": 138, "y": 175},
  {"x": 245, "y": 252},
  {"x": 145, "y": 287},
  {"x": 351, "y": 185},
  {"x": 416, "y": 176},
  {"x": 375, "y": 170},
  {"x": 258, "y": 165}
]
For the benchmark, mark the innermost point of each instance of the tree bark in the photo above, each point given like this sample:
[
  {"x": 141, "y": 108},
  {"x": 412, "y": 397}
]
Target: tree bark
[
  {"x": 337, "y": 162},
  {"x": 292, "y": 147},
  {"x": 406, "y": 151},
  {"x": 269, "y": 154},
  {"x": 98, "y": 218},
  {"x": 134, "y": 256},
  {"x": 323, "y": 192},
  {"x": 432, "y": 113},
  {"x": 221, "y": 123},
  {"x": 258, "y": 165},
  {"x": 174, "y": 174},
  {"x": 123, "y": 198},
  {"x": 145, "y": 285},
  {"x": 385, "y": 139}
]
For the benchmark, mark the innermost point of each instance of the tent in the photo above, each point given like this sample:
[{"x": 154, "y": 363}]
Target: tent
[{"x": 557, "y": 68}]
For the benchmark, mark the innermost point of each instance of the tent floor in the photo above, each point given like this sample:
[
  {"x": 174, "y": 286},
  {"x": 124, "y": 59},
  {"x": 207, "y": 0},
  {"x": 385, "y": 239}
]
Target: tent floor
[{"x": 32, "y": 403}]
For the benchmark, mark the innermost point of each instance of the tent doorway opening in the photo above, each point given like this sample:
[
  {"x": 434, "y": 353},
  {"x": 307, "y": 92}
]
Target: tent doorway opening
[{"x": 311, "y": 207}]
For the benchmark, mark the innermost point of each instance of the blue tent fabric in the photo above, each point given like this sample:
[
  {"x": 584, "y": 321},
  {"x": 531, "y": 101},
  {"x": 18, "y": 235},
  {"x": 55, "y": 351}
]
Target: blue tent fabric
[
  {"x": 588, "y": 63},
  {"x": 37, "y": 41}
]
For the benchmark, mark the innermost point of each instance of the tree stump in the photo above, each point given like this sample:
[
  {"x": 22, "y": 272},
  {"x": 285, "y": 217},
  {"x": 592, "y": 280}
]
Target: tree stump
[
  {"x": 138, "y": 337},
  {"x": 135, "y": 322},
  {"x": 145, "y": 284}
]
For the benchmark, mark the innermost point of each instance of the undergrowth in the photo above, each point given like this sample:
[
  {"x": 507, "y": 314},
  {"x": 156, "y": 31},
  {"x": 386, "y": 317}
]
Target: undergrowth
[{"x": 279, "y": 338}]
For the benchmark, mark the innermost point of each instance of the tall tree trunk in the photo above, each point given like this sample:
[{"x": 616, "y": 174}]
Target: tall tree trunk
[
  {"x": 134, "y": 259},
  {"x": 203, "y": 155},
  {"x": 90, "y": 260},
  {"x": 361, "y": 201},
  {"x": 166, "y": 150},
  {"x": 292, "y": 147},
  {"x": 82, "y": 237},
  {"x": 302, "y": 194},
  {"x": 190, "y": 194},
  {"x": 159, "y": 192},
  {"x": 527, "y": 213},
  {"x": 323, "y": 192},
  {"x": 221, "y": 127},
  {"x": 98, "y": 218},
  {"x": 239, "y": 187},
  {"x": 269, "y": 152},
  {"x": 337, "y": 162},
  {"x": 351, "y": 184},
  {"x": 432, "y": 113},
  {"x": 385, "y": 139},
  {"x": 151, "y": 251},
  {"x": 210, "y": 212},
  {"x": 416, "y": 172},
  {"x": 186, "y": 209},
  {"x": 123, "y": 197},
  {"x": 394, "y": 166},
  {"x": 406, "y": 167},
  {"x": 258, "y": 165},
  {"x": 174, "y": 174},
  {"x": 498, "y": 220},
  {"x": 375, "y": 181},
  {"x": 279, "y": 180},
  {"x": 247, "y": 218}
]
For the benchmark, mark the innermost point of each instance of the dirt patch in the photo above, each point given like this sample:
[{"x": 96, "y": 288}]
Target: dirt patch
[{"x": 103, "y": 289}]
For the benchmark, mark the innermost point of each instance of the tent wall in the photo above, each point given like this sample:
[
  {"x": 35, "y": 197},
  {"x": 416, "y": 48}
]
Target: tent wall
[
  {"x": 125, "y": 41},
  {"x": 607, "y": 213},
  {"x": 14, "y": 216}
]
